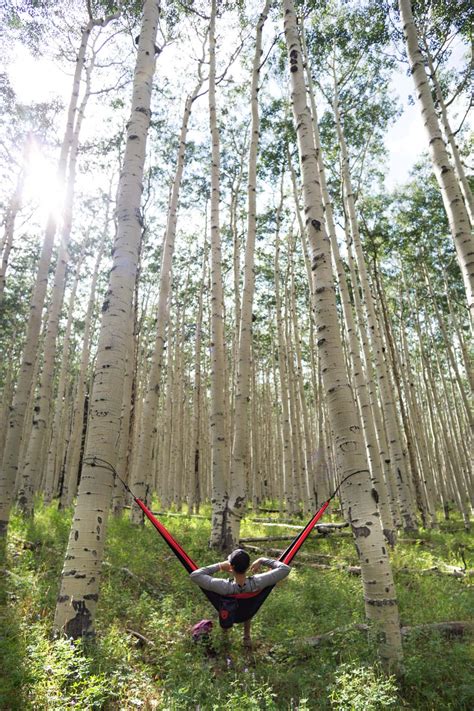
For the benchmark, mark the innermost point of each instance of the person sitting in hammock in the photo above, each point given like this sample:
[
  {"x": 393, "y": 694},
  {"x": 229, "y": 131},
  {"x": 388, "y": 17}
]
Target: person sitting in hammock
[{"x": 238, "y": 564}]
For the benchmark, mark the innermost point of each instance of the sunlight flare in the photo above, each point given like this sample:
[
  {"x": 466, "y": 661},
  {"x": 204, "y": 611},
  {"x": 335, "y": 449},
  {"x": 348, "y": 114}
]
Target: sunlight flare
[{"x": 42, "y": 188}]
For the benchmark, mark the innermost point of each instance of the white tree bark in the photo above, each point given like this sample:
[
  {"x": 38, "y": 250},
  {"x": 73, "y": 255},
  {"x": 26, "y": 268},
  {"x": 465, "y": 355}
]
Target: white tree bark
[
  {"x": 7, "y": 241},
  {"x": 71, "y": 466},
  {"x": 452, "y": 198},
  {"x": 32, "y": 466},
  {"x": 362, "y": 378},
  {"x": 379, "y": 590},
  {"x": 196, "y": 488},
  {"x": 9, "y": 466},
  {"x": 220, "y": 531},
  {"x": 240, "y": 449},
  {"x": 397, "y": 455},
  {"x": 147, "y": 432},
  {"x": 77, "y": 601},
  {"x": 458, "y": 166}
]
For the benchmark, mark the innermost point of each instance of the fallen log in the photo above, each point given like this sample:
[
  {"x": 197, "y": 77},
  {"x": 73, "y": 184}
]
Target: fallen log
[
  {"x": 181, "y": 514},
  {"x": 279, "y": 524},
  {"x": 140, "y": 637},
  {"x": 321, "y": 527},
  {"x": 309, "y": 559},
  {"x": 436, "y": 570},
  {"x": 266, "y": 539},
  {"x": 448, "y": 629}
]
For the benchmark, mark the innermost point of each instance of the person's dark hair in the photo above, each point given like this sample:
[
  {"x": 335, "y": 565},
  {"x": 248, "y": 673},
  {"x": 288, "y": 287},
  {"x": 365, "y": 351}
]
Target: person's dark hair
[{"x": 239, "y": 560}]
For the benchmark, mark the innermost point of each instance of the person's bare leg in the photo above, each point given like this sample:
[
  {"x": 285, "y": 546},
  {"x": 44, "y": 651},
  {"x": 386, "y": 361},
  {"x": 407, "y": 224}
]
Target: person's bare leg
[{"x": 247, "y": 639}]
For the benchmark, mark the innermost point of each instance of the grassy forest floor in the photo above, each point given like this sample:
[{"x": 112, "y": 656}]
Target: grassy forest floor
[{"x": 146, "y": 591}]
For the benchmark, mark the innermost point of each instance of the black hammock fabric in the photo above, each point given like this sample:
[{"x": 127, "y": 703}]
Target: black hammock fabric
[{"x": 241, "y": 606}]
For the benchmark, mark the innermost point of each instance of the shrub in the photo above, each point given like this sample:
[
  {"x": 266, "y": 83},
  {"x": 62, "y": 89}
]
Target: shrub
[{"x": 363, "y": 688}]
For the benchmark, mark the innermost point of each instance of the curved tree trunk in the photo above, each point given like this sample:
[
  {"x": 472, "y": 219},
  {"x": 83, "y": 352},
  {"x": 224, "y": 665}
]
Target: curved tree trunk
[{"x": 77, "y": 601}]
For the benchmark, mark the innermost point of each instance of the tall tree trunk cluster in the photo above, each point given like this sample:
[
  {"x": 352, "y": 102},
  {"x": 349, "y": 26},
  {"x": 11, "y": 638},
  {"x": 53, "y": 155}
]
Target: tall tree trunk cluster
[{"x": 260, "y": 376}]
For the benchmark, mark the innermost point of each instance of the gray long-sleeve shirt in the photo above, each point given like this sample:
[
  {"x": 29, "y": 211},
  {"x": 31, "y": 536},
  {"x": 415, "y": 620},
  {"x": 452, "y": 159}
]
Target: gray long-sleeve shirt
[{"x": 203, "y": 578}]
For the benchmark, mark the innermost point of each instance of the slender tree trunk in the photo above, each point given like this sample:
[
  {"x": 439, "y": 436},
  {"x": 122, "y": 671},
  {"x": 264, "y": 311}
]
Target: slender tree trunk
[
  {"x": 362, "y": 378},
  {"x": 56, "y": 447},
  {"x": 397, "y": 455},
  {"x": 148, "y": 429},
  {"x": 288, "y": 490},
  {"x": 240, "y": 449},
  {"x": 458, "y": 166},
  {"x": 195, "y": 496},
  {"x": 73, "y": 453},
  {"x": 9, "y": 467},
  {"x": 453, "y": 202},
  {"x": 379, "y": 591},
  {"x": 32, "y": 467},
  {"x": 77, "y": 601},
  {"x": 120, "y": 495},
  {"x": 221, "y": 536},
  {"x": 7, "y": 242},
  {"x": 7, "y": 395}
]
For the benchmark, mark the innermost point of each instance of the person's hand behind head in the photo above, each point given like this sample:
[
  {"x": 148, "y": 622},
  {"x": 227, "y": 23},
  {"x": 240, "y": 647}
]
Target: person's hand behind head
[{"x": 255, "y": 567}]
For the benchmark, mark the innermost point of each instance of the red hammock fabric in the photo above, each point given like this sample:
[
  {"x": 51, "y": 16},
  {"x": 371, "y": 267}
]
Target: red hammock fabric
[{"x": 247, "y": 604}]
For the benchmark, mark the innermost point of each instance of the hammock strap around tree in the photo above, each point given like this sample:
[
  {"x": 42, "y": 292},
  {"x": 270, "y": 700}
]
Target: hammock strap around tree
[{"x": 286, "y": 557}]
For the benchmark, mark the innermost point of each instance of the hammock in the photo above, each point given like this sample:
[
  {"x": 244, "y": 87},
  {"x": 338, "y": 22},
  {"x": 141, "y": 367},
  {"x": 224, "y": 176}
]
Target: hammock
[{"x": 239, "y": 607}]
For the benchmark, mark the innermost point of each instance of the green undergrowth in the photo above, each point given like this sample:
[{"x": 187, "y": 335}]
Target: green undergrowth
[{"x": 143, "y": 656}]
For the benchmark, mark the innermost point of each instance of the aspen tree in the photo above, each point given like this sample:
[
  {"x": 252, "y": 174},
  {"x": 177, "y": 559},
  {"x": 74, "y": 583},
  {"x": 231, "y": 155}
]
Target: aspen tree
[
  {"x": 283, "y": 379},
  {"x": 239, "y": 458},
  {"x": 404, "y": 428},
  {"x": 457, "y": 163},
  {"x": 32, "y": 471},
  {"x": 364, "y": 386},
  {"x": 195, "y": 495},
  {"x": 396, "y": 453},
  {"x": 56, "y": 446},
  {"x": 221, "y": 536},
  {"x": 309, "y": 478},
  {"x": 71, "y": 465},
  {"x": 123, "y": 455},
  {"x": 7, "y": 395},
  {"x": 77, "y": 601},
  {"x": 467, "y": 360},
  {"x": 452, "y": 198},
  {"x": 449, "y": 352},
  {"x": 7, "y": 242},
  {"x": 424, "y": 444},
  {"x": 410, "y": 424},
  {"x": 437, "y": 413},
  {"x": 379, "y": 591},
  {"x": 299, "y": 462},
  {"x": 147, "y": 430},
  {"x": 9, "y": 465}
]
